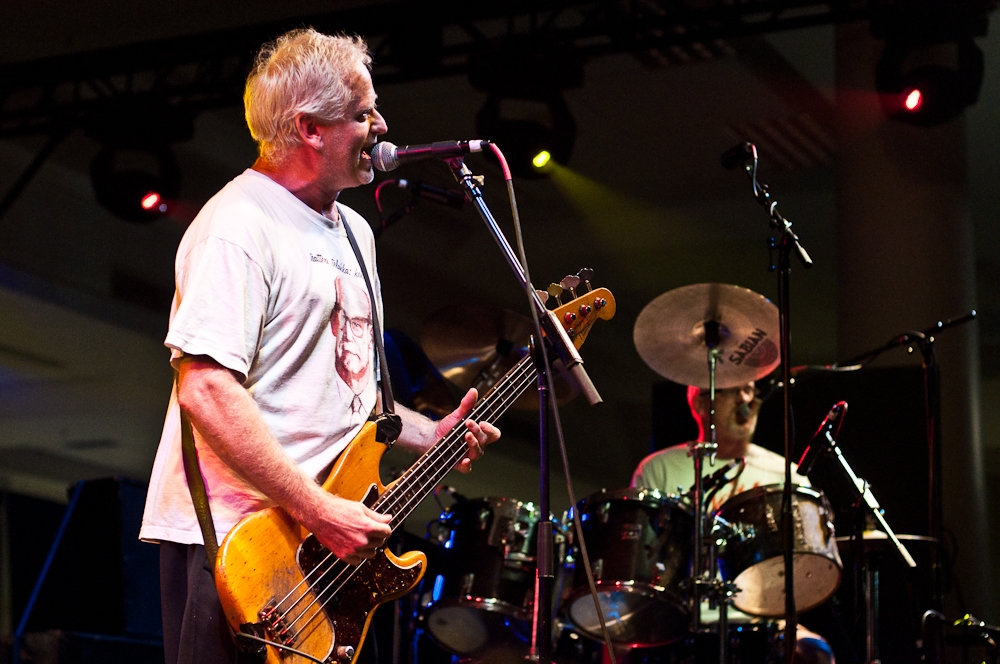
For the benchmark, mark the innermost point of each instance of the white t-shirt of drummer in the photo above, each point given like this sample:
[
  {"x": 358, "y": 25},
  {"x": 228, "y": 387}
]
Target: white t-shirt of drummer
[
  {"x": 671, "y": 470},
  {"x": 270, "y": 289}
]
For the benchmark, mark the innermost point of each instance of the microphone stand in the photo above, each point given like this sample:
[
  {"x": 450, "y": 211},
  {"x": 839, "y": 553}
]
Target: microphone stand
[
  {"x": 828, "y": 445},
  {"x": 549, "y": 331},
  {"x": 924, "y": 339},
  {"x": 786, "y": 242}
]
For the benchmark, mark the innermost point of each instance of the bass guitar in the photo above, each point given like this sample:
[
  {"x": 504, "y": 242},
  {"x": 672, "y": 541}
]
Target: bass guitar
[{"x": 293, "y": 597}]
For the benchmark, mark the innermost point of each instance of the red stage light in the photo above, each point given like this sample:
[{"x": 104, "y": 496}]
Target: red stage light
[
  {"x": 150, "y": 201},
  {"x": 913, "y": 100}
]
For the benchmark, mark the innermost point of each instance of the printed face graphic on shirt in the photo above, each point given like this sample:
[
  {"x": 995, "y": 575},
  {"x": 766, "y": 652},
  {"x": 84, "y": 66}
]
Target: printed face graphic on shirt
[{"x": 351, "y": 323}]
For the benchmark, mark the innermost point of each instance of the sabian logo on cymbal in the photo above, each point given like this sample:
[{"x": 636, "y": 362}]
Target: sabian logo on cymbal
[{"x": 748, "y": 346}]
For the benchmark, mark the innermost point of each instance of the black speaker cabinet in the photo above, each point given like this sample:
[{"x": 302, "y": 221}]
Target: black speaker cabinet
[{"x": 103, "y": 579}]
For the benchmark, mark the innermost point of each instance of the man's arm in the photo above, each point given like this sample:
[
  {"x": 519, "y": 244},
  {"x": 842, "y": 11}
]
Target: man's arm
[
  {"x": 420, "y": 433},
  {"x": 228, "y": 420}
]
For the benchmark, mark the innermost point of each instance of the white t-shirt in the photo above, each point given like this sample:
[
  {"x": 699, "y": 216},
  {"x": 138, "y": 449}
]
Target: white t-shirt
[
  {"x": 270, "y": 289},
  {"x": 671, "y": 468}
]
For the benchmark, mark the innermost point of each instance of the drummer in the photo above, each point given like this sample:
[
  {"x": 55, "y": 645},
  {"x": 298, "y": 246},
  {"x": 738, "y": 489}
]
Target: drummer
[{"x": 736, "y": 411}]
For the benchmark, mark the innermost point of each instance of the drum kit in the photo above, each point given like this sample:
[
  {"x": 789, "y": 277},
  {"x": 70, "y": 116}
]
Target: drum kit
[{"x": 654, "y": 563}]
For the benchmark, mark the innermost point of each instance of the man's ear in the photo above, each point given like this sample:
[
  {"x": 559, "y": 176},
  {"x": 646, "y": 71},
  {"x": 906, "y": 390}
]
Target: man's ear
[
  {"x": 701, "y": 405},
  {"x": 308, "y": 129}
]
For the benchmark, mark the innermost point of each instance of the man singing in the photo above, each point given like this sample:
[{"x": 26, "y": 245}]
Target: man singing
[{"x": 271, "y": 335}]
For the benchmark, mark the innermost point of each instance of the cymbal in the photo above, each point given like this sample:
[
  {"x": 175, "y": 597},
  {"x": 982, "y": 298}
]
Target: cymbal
[
  {"x": 670, "y": 334},
  {"x": 876, "y": 540},
  {"x": 476, "y": 346}
]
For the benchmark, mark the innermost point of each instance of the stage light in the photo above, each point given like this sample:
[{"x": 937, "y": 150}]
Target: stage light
[
  {"x": 913, "y": 100},
  {"x": 150, "y": 201},
  {"x": 542, "y": 159},
  {"x": 525, "y": 112},
  {"x": 135, "y": 183},
  {"x": 930, "y": 69},
  {"x": 532, "y": 132}
]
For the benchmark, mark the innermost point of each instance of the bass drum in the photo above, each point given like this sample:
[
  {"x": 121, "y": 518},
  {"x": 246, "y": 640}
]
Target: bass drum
[
  {"x": 480, "y": 597},
  {"x": 639, "y": 541},
  {"x": 752, "y": 556}
]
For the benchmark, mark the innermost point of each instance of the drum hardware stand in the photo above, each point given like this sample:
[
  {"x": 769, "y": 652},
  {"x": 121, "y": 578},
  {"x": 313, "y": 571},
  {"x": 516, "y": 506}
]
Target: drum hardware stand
[
  {"x": 698, "y": 451},
  {"x": 745, "y": 155},
  {"x": 924, "y": 339},
  {"x": 556, "y": 336},
  {"x": 705, "y": 582},
  {"x": 829, "y": 445},
  {"x": 721, "y": 593}
]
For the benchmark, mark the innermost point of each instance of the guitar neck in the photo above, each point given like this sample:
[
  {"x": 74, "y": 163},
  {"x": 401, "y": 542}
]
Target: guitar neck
[{"x": 426, "y": 474}]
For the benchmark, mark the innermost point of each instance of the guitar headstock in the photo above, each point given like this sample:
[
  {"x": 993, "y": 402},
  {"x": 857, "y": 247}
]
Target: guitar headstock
[{"x": 579, "y": 315}]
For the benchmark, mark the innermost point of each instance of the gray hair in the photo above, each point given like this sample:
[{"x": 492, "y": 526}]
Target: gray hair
[{"x": 302, "y": 71}]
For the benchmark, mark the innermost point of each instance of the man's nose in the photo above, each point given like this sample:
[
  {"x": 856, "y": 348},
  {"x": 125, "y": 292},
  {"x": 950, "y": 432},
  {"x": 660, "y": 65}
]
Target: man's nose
[{"x": 379, "y": 125}]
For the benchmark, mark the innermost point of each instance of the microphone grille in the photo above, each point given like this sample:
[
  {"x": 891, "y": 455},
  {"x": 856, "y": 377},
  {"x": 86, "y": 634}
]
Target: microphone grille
[{"x": 384, "y": 156}]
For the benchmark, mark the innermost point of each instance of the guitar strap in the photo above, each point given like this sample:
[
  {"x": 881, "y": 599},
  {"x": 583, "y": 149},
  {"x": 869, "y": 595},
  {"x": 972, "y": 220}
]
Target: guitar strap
[
  {"x": 388, "y": 423},
  {"x": 196, "y": 485}
]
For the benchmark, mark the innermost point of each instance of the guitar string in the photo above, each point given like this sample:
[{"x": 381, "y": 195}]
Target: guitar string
[
  {"x": 417, "y": 467},
  {"x": 450, "y": 457},
  {"x": 449, "y": 462}
]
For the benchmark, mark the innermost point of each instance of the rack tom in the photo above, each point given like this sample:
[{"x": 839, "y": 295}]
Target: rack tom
[{"x": 639, "y": 541}]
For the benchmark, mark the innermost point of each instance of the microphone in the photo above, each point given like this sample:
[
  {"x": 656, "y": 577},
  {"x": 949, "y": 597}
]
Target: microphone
[
  {"x": 387, "y": 157},
  {"x": 718, "y": 479},
  {"x": 429, "y": 192},
  {"x": 736, "y": 155},
  {"x": 814, "y": 451}
]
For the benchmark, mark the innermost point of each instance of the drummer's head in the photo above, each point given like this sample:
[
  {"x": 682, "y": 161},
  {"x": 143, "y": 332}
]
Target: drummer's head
[{"x": 735, "y": 416}]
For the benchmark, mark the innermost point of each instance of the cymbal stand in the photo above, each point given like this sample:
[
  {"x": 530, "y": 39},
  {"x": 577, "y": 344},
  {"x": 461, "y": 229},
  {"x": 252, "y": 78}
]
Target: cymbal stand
[
  {"x": 705, "y": 582},
  {"x": 786, "y": 242}
]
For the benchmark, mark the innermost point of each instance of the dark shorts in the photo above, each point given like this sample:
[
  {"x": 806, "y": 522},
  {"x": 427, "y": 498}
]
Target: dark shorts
[{"x": 194, "y": 627}]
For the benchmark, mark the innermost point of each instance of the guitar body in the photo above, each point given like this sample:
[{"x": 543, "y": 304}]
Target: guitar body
[{"x": 265, "y": 558}]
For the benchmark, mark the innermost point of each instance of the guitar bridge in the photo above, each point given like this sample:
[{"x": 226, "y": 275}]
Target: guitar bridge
[{"x": 275, "y": 625}]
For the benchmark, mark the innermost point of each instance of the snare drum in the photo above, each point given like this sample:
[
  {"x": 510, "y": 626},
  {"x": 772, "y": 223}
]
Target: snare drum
[
  {"x": 482, "y": 595},
  {"x": 752, "y": 555},
  {"x": 639, "y": 541}
]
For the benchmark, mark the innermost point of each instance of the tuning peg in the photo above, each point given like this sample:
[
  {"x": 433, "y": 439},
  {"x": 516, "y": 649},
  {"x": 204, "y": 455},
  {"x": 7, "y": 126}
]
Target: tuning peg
[
  {"x": 555, "y": 290},
  {"x": 586, "y": 274},
  {"x": 542, "y": 295},
  {"x": 570, "y": 282}
]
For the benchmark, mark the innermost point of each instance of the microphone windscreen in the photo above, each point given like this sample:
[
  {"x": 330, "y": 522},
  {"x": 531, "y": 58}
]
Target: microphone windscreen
[{"x": 384, "y": 156}]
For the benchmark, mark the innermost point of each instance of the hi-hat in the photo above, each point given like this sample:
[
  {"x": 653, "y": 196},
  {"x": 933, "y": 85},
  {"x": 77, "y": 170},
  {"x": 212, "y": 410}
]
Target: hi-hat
[
  {"x": 476, "y": 346},
  {"x": 674, "y": 332}
]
